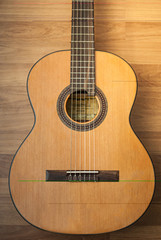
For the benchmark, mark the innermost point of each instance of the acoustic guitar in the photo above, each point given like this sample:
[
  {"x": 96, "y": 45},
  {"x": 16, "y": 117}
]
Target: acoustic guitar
[{"x": 81, "y": 169}]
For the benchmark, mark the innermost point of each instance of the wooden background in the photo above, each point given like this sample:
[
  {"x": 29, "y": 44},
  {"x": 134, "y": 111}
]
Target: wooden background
[{"x": 30, "y": 29}]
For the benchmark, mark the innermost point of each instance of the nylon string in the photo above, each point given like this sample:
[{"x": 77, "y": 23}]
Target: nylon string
[
  {"x": 77, "y": 53},
  {"x": 80, "y": 44},
  {"x": 84, "y": 64},
  {"x": 71, "y": 105}
]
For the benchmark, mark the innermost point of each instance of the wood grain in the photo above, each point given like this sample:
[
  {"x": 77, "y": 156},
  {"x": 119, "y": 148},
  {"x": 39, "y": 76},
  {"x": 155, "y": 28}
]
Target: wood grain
[{"x": 29, "y": 32}]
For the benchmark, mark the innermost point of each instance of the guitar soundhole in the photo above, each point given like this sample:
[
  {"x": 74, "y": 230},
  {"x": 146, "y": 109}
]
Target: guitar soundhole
[
  {"x": 81, "y": 112},
  {"x": 82, "y": 108}
]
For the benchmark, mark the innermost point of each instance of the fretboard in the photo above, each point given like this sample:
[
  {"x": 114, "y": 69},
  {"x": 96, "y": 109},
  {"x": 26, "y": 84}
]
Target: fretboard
[{"x": 82, "y": 47}]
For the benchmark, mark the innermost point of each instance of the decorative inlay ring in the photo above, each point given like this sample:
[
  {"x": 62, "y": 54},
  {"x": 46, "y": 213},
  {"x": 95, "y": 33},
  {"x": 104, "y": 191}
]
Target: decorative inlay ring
[{"x": 87, "y": 126}]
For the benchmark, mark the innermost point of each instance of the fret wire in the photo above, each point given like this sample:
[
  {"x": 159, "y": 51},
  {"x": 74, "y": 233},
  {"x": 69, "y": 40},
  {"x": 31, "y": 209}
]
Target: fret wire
[
  {"x": 82, "y": 48},
  {"x": 82, "y": 83},
  {"x": 83, "y": 18},
  {"x": 80, "y": 55},
  {"x": 77, "y": 9},
  {"x": 82, "y": 67},
  {"x": 84, "y": 61},
  {"x": 79, "y": 63},
  {"x": 81, "y": 88},
  {"x": 83, "y": 34},
  {"x": 89, "y": 1},
  {"x": 80, "y": 78},
  {"x": 82, "y": 41},
  {"x": 83, "y": 26},
  {"x": 91, "y": 73},
  {"x": 85, "y": 1},
  {"x": 83, "y": 78}
]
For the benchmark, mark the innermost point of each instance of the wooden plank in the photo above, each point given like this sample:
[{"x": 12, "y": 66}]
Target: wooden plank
[
  {"x": 140, "y": 233},
  {"x": 29, "y": 232}
]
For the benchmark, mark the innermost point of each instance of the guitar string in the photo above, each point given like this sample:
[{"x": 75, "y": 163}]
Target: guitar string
[
  {"x": 91, "y": 96},
  {"x": 94, "y": 137},
  {"x": 84, "y": 64},
  {"x": 89, "y": 71},
  {"x": 80, "y": 51},
  {"x": 76, "y": 70},
  {"x": 71, "y": 91}
]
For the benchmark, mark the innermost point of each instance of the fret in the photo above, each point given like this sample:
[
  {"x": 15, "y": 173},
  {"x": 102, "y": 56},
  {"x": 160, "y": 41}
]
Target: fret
[
  {"x": 82, "y": 48},
  {"x": 75, "y": 88},
  {"x": 84, "y": 61},
  {"x": 85, "y": 78},
  {"x": 76, "y": 9},
  {"x": 77, "y": 71},
  {"x": 91, "y": 34},
  {"x": 80, "y": 55},
  {"x": 82, "y": 18},
  {"x": 83, "y": 1},
  {"x": 76, "y": 80},
  {"x": 82, "y": 41},
  {"x": 83, "y": 67},
  {"x": 82, "y": 78},
  {"x": 80, "y": 73},
  {"x": 82, "y": 26},
  {"x": 81, "y": 63},
  {"x": 91, "y": 1},
  {"x": 81, "y": 83}
]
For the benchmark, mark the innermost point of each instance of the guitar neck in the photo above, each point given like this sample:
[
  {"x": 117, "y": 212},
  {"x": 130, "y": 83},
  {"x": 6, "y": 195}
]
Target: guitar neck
[{"x": 82, "y": 46}]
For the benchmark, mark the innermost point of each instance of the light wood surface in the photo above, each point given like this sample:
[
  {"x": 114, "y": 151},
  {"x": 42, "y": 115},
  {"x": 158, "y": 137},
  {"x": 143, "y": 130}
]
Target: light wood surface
[
  {"x": 128, "y": 28},
  {"x": 81, "y": 208}
]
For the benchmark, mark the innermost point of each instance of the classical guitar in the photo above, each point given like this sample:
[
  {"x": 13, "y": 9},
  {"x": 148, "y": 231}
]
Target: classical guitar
[{"x": 81, "y": 169}]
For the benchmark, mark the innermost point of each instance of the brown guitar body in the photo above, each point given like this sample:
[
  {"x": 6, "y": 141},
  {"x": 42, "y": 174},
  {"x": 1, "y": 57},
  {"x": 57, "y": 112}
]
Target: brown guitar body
[{"x": 81, "y": 207}]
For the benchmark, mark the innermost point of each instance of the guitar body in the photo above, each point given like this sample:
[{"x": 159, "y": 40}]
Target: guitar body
[{"x": 81, "y": 207}]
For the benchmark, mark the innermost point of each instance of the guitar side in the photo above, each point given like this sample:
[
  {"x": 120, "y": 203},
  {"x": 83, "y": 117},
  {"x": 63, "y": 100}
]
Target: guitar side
[{"x": 81, "y": 208}]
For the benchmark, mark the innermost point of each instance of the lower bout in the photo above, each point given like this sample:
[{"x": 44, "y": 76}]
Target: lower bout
[
  {"x": 74, "y": 208},
  {"x": 93, "y": 218}
]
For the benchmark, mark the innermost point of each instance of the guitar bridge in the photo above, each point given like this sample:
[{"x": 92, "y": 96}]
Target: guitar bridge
[{"x": 82, "y": 176}]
